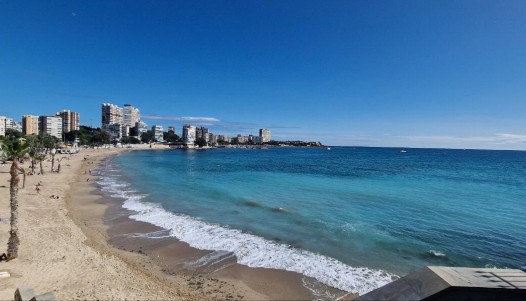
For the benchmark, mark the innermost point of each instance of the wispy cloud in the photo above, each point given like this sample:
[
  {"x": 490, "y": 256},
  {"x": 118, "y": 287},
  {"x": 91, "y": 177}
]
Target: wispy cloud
[
  {"x": 282, "y": 127},
  {"x": 495, "y": 139},
  {"x": 207, "y": 120}
]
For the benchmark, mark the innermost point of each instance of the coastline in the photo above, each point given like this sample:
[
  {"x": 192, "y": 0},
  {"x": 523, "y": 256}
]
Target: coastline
[
  {"x": 56, "y": 256},
  {"x": 115, "y": 263}
]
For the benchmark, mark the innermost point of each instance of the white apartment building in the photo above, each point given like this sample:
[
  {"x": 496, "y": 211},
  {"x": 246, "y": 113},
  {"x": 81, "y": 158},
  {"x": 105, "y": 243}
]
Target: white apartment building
[
  {"x": 115, "y": 130},
  {"x": 2, "y": 125},
  {"x": 158, "y": 133},
  {"x": 189, "y": 135},
  {"x": 51, "y": 125},
  {"x": 9, "y": 123},
  {"x": 141, "y": 128},
  {"x": 264, "y": 135},
  {"x": 131, "y": 115}
]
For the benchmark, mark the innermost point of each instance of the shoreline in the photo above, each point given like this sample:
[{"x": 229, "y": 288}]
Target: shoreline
[
  {"x": 74, "y": 247},
  {"x": 56, "y": 256},
  {"x": 216, "y": 274}
]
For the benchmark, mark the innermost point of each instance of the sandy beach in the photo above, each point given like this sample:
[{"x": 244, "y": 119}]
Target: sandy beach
[{"x": 84, "y": 246}]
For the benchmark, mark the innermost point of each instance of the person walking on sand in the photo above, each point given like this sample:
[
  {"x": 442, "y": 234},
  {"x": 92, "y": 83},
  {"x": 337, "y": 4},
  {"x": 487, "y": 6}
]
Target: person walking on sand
[
  {"x": 38, "y": 189},
  {"x": 90, "y": 171}
]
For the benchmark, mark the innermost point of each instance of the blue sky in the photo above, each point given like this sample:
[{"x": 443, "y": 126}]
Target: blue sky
[{"x": 376, "y": 73}]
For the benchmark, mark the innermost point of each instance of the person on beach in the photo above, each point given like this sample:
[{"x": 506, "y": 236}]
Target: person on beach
[
  {"x": 38, "y": 189},
  {"x": 90, "y": 171}
]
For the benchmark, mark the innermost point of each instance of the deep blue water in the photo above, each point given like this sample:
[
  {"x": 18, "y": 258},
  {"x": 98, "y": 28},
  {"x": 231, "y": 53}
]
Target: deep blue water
[{"x": 364, "y": 207}]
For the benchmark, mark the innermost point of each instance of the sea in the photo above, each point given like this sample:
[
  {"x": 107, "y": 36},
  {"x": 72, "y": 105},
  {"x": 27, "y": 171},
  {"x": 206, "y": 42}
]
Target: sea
[{"x": 354, "y": 218}]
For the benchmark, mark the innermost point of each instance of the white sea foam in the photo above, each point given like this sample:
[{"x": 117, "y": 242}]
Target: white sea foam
[
  {"x": 250, "y": 250},
  {"x": 436, "y": 253},
  {"x": 210, "y": 259}
]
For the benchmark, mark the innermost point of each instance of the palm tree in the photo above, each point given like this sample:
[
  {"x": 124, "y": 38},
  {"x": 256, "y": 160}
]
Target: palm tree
[
  {"x": 59, "y": 160},
  {"x": 24, "y": 171},
  {"x": 53, "y": 152},
  {"x": 39, "y": 157},
  {"x": 14, "y": 149},
  {"x": 34, "y": 148}
]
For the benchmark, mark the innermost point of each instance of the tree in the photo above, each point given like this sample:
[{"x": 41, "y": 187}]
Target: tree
[
  {"x": 170, "y": 137},
  {"x": 59, "y": 160},
  {"x": 39, "y": 158},
  {"x": 147, "y": 137},
  {"x": 71, "y": 136},
  {"x": 130, "y": 140},
  {"x": 35, "y": 147},
  {"x": 14, "y": 150},
  {"x": 201, "y": 142},
  {"x": 133, "y": 131},
  {"x": 53, "y": 153},
  {"x": 13, "y": 134},
  {"x": 48, "y": 141},
  {"x": 99, "y": 138},
  {"x": 24, "y": 171}
]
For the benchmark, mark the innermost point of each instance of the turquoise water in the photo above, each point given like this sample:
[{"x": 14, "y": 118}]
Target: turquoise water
[{"x": 347, "y": 216}]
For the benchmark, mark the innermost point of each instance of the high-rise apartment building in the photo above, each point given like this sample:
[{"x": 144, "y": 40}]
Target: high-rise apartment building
[
  {"x": 111, "y": 117},
  {"x": 8, "y": 123},
  {"x": 30, "y": 125},
  {"x": 131, "y": 115},
  {"x": 70, "y": 120},
  {"x": 158, "y": 133},
  {"x": 240, "y": 139},
  {"x": 223, "y": 139},
  {"x": 51, "y": 125},
  {"x": 212, "y": 139},
  {"x": 264, "y": 135},
  {"x": 204, "y": 134},
  {"x": 189, "y": 135},
  {"x": 141, "y": 128},
  {"x": 111, "y": 114},
  {"x": 3, "y": 120},
  {"x": 17, "y": 126}
]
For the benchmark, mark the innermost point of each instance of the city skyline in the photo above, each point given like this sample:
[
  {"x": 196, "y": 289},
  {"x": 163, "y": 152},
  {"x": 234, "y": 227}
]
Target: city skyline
[{"x": 408, "y": 74}]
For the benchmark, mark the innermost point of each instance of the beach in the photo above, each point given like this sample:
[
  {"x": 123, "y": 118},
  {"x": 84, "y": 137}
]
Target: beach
[{"x": 84, "y": 246}]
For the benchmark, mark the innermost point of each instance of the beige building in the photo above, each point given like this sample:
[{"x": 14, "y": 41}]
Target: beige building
[
  {"x": 111, "y": 114},
  {"x": 70, "y": 120},
  {"x": 30, "y": 125}
]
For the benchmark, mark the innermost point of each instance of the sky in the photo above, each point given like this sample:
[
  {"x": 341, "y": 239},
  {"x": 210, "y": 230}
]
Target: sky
[{"x": 364, "y": 73}]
